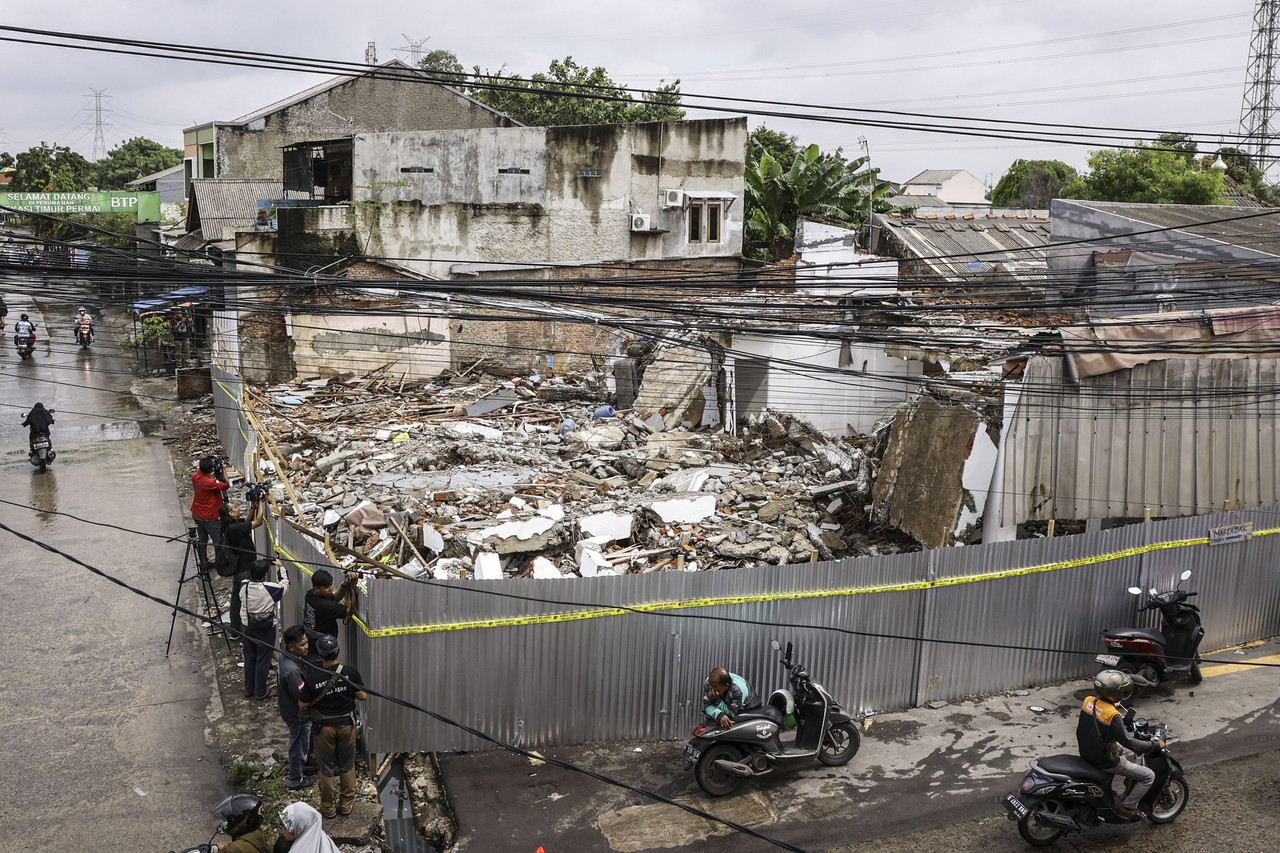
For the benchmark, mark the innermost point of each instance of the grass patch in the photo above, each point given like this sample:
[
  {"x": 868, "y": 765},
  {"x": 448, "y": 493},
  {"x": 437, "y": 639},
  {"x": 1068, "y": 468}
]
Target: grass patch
[{"x": 272, "y": 785}]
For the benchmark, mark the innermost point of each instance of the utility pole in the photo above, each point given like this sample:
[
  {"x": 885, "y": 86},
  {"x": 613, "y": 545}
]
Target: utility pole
[
  {"x": 1258, "y": 111},
  {"x": 99, "y": 96}
]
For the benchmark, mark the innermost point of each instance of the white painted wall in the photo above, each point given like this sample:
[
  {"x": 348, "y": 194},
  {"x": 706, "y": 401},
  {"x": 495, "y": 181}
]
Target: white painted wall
[
  {"x": 416, "y": 346},
  {"x": 805, "y": 378}
]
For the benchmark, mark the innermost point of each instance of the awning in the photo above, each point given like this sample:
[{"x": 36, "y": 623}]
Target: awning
[{"x": 164, "y": 300}]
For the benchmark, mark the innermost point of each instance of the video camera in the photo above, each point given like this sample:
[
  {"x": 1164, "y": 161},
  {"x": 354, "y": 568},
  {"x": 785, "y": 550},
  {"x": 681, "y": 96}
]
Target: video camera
[{"x": 257, "y": 492}]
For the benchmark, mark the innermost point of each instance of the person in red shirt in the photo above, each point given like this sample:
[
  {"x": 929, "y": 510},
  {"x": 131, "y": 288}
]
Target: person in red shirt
[{"x": 204, "y": 507}]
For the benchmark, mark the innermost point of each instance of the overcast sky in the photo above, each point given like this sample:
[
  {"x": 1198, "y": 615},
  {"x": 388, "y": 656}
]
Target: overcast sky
[{"x": 1141, "y": 66}]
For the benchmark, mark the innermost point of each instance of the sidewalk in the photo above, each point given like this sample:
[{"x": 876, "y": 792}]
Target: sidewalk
[{"x": 917, "y": 769}]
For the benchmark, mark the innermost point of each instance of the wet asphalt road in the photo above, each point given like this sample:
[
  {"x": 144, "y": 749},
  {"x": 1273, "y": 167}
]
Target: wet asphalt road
[{"x": 102, "y": 737}]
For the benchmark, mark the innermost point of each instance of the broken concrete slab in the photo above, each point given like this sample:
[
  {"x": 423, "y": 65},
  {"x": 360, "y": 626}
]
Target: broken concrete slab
[
  {"x": 607, "y": 526},
  {"x": 431, "y": 539},
  {"x": 534, "y": 534},
  {"x": 684, "y": 510},
  {"x": 605, "y": 437},
  {"x": 465, "y": 429},
  {"x": 326, "y": 464},
  {"x": 544, "y": 569},
  {"x": 774, "y": 510},
  {"x": 488, "y": 566},
  {"x": 496, "y": 401}
]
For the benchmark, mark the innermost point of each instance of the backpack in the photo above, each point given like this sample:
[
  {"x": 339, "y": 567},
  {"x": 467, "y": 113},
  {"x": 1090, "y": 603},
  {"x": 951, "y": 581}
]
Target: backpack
[{"x": 225, "y": 560}]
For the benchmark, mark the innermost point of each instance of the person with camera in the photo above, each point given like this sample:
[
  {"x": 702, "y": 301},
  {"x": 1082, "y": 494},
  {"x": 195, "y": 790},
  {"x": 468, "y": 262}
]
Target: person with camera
[
  {"x": 329, "y": 696},
  {"x": 237, "y": 538},
  {"x": 322, "y": 608},
  {"x": 209, "y": 485},
  {"x": 290, "y": 678},
  {"x": 258, "y": 600}
]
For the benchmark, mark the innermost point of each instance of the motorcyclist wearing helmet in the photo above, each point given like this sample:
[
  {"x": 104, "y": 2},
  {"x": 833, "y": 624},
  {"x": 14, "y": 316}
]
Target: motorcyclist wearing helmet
[
  {"x": 83, "y": 320},
  {"x": 1103, "y": 730},
  {"x": 242, "y": 814},
  {"x": 23, "y": 328}
]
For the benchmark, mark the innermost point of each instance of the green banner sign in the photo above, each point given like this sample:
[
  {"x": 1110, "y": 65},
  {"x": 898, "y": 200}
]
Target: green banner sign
[{"x": 145, "y": 206}]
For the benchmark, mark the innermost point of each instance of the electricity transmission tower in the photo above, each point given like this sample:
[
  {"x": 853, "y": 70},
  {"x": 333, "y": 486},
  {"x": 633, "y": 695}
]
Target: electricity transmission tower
[
  {"x": 99, "y": 96},
  {"x": 1258, "y": 113},
  {"x": 413, "y": 47}
]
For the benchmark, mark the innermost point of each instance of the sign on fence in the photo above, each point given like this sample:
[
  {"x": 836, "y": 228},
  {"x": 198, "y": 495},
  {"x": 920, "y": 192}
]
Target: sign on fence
[
  {"x": 1229, "y": 533},
  {"x": 145, "y": 206}
]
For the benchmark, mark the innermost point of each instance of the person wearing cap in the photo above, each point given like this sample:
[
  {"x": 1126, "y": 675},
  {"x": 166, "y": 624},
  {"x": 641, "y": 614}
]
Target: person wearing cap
[{"x": 329, "y": 696}]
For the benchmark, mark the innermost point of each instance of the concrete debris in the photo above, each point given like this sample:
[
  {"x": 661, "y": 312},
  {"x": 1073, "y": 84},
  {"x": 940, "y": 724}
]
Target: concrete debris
[{"x": 491, "y": 480}]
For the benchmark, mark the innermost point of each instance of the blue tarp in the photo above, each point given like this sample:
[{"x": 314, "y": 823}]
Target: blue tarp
[{"x": 186, "y": 294}]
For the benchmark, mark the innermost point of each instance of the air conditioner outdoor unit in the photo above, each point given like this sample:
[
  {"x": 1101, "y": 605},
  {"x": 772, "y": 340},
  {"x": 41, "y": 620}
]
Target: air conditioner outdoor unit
[
  {"x": 639, "y": 222},
  {"x": 673, "y": 198}
]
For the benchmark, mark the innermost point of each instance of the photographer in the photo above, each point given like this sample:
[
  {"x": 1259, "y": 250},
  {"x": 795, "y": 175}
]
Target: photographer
[
  {"x": 208, "y": 483},
  {"x": 237, "y": 535},
  {"x": 323, "y": 608},
  {"x": 258, "y": 600}
]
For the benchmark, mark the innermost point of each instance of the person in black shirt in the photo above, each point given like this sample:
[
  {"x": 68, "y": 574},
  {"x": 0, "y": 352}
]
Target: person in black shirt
[
  {"x": 322, "y": 608},
  {"x": 237, "y": 536},
  {"x": 329, "y": 696}
]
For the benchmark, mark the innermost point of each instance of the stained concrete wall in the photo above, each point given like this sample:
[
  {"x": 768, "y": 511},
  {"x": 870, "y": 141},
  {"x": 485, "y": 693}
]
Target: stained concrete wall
[
  {"x": 520, "y": 195},
  {"x": 326, "y": 344},
  {"x": 803, "y": 374},
  {"x": 360, "y": 105}
]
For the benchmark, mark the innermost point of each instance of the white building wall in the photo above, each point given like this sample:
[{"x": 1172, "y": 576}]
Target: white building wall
[
  {"x": 964, "y": 188},
  {"x": 805, "y": 378},
  {"x": 530, "y": 195}
]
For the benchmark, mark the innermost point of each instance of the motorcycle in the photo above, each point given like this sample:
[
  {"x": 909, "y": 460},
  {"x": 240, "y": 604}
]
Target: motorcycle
[
  {"x": 84, "y": 336},
  {"x": 42, "y": 452},
  {"x": 754, "y": 745},
  {"x": 1065, "y": 793},
  {"x": 25, "y": 344},
  {"x": 1152, "y": 654}
]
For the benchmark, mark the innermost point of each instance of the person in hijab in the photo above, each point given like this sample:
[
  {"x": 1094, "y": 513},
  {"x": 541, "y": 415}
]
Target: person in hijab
[{"x": 300, "y": 831}]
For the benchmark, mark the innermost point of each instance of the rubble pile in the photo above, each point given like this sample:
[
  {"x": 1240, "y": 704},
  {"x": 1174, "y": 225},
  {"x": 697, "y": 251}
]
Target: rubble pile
[{"x": 540, "y": 477}]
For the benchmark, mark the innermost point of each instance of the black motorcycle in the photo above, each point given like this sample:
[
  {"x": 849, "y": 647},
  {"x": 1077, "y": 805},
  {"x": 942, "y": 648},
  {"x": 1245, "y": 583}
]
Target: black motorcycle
[
  {"x": 794, "y": 728},
  {"x": 42, "y": 452},
  {"x": 1065, "y": 793},
  {"x": 1152, "y": 654},
  {"x": 25, "y": 344}
]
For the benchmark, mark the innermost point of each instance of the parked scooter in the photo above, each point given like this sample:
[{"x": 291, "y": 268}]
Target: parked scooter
[
  {"x": 1065, "y": 793},
  {"x": 754, "y": 745},
  {"x": 1152, "y": 654}
]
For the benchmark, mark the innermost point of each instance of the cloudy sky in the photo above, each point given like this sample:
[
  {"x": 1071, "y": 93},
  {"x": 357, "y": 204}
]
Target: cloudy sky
[{"x": 1137, "y": 68}]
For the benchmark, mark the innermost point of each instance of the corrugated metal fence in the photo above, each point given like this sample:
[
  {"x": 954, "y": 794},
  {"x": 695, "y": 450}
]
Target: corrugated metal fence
[{"x": 575, "y": 660}]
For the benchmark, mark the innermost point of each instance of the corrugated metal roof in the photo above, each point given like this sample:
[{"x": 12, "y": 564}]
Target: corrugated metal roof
[
  {"x": 222, "y": 206},
  {"x": 1179, "y": 436},
  {"x": 934, "y": 176},
  {"x": 1259, "y": 233},
  {"x": 950, "y": 242},
  {"x": 154, "y": 176}
]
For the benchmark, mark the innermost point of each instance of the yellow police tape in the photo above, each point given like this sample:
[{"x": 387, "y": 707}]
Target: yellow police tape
[{"x": 597, "y": 613}]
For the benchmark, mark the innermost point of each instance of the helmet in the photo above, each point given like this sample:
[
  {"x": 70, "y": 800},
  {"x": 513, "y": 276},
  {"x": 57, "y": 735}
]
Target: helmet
[
  {"x": 1113, "y": 685},
  {"x": 327, "y": 646},
  {"x": 24, "y": 316},
  {"x": 242, "y": 813}
]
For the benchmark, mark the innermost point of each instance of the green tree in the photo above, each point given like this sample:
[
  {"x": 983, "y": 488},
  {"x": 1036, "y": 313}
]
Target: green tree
[
  {"x": 131, "y": 160},
  {"x": 1241, "y": 168},
  {"x": 1180, "y": 142},
  {"x": 568, "y": 94},
  {"x": 444, "y": 62},
  {"x": 1148, "y": 174},
  {"x": 36, "y": 168},
  {"x": 783, "y": 147},
  {"x": 1032, "y": 183},
  {"x": 817, "y": 186}
]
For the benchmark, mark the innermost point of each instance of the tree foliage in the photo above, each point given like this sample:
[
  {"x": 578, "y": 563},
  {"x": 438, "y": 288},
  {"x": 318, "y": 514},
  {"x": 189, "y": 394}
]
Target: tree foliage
[
  {"x": 131, "y": 160},
  {"x": 567, "y": 93},
  {"x": 49, "y": 168},
  {"x": 783, "y": 147},
  {"x": 815, "y": 185},
  {"x": 1148, "y": 174},
  {"x": 1241, "y": 169},
  {"x": 1032, "y": 183}
]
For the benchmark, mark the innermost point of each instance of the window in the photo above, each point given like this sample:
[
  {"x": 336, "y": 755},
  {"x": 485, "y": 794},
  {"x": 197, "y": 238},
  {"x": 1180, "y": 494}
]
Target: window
[
  {"x": 695, "y": 223},
  {"x": 704, "y": 221},
  {"x": 416, "y": 170},
  {"x": 513, "y": 171},
  {"x": 589, "y": 173}
]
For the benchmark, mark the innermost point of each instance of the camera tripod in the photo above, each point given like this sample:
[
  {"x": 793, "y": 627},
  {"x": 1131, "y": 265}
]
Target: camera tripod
[{"x": 211, "y": 608}]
